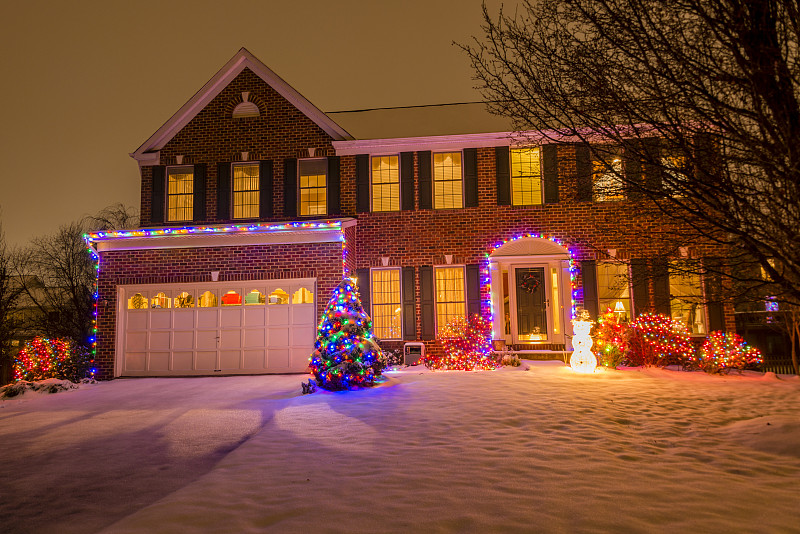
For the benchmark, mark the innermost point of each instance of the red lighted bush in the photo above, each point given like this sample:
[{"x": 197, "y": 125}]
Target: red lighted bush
[
  {"x": 657, "y": 340},
  {"x": 723, "y": 351}
]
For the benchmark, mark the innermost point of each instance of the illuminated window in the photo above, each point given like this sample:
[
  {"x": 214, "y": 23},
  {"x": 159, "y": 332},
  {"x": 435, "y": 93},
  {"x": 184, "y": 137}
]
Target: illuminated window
[
  {"x": 526, "y": 176},
  {"x": 386, "y": 303},
  {"x": 451, "y": 299},
  {"x": 137, "y": 302},
  {"x": 208, "y": 300},
  {"x": 245, "y": 191},
  {"x": 254, "y": 297},
  {"x": 686, "y": 295},
  {"x": 676, "y": 176},
  {"x": 313, "y": 182},
  {"x": 279, "y": 296},
  {"x": 161, "y": 300},
  {"x": 613, "y": 289},
  {"x": 448, "y": 183},
  {"x": 303, "y": 296},
  {"x": 607, "y": 182},
  {"x": 231, "y": 298},
  {"x": 180, "y": 194},
  {"x": 184, "y": 300},
  {"x": 385, "y": 183}
]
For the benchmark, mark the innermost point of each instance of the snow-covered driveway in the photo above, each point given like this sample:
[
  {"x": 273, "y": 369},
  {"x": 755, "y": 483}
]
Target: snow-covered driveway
[{"x": 513, "y": 450}]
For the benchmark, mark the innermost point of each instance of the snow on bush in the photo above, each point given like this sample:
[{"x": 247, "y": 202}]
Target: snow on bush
[
  {"x": 723, "y": 351},
  {"x": 657, "y": 340},
  {"x": 51, "y": 385}
]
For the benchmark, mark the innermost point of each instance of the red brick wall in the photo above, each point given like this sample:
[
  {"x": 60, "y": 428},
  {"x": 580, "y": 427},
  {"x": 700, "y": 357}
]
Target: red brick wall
[{"x": 253, "y": 262}]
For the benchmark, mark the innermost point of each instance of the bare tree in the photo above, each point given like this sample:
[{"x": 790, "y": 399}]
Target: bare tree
[
  {"x": 9, "y": 295},
  {"x": 701, "y": 94}
]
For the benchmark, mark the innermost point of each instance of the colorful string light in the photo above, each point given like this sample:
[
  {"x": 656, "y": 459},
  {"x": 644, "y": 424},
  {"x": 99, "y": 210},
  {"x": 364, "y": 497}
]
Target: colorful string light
[
  {"x": 466, "y": 346},
  {"x": 43, "y": 358},
  {"x": 723, "y": 351},
  {"x": 582, "y": 359},
  {"x": 201, "y": 230},
  {"x": 656, "y": 339}
]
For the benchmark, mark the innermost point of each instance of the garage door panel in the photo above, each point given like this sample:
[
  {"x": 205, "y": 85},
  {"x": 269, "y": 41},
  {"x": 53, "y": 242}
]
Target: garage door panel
[
  {"x": 183, "y": 319},
  {"x": 135, "y": 361},
  {"x": 278, "y": 314},
  {"x": 207, "y": 318},
  {"x": 299, "y": 359},
  {"x": 159, "y": 361},
  {"x": 278, "y": 337},
  {"x": 255, "y": 337},
  {"x": 183, "y": 340},
  {"x": 205, "y": 361},
  {"x": 278, "y": 359},
  {"x": 137, "y": 320},
  {"x": 136, "y": 341},
  {"x": 301, "y": 335},
  {"x": 207, "y": 339},
  {"x": 230, "y": 360},
  {"x": 159, "y": 341},
  {"x": 231, "y": 318},
  {"x": 303, "y": 314},
  {"x": 161, "y": 319},
  {"x": 230, "y": 339},
  {"x": 255, "y": 316},
  {"x": 182, "y": 361},
  {"x": 254, "y": 359}
]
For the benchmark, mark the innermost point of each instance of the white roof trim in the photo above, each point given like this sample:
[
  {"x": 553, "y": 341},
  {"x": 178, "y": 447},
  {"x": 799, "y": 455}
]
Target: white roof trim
[{"x": 243, "y": 59}]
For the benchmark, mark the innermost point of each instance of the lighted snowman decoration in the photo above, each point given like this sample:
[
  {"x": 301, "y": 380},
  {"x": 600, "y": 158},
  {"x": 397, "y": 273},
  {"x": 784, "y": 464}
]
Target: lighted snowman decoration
[{"x": 582, "y": 359}]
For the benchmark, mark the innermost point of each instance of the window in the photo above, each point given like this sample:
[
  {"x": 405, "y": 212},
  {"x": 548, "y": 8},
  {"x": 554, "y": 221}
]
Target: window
[
  {"x": 385, "y": 183},
  {"x": 137, "y": 302},
  {"x": 254, "y": 297},
  {"x": 279, "y": 296},
  {"x": 526, "y": 176},
  {"x": 686, "y": 295},
  {"x": 303, "y": 296},
  {"x": 675, "y": 175},
  {"x": 161, "y": 300},
  {"x": 245, "y": 191},
  {"x": 451, "y": 299},
  {"x": 386, "y": 303},
  {"x": 208, "y": 300},
  {"x": 448, "y": 184},
  {"x": 184, "y": 300},
  {"x": 231, "y": 298},
  {"x": 613, "y": 289},
  {"x": 313, "y": 182},
  {"x": 180, "y": 194},
  {"x": 607, "y": 179}
]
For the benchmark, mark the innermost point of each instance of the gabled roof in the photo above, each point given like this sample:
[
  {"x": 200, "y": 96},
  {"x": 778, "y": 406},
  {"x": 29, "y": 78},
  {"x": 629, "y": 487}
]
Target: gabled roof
[{"x": 241, "y": 60}]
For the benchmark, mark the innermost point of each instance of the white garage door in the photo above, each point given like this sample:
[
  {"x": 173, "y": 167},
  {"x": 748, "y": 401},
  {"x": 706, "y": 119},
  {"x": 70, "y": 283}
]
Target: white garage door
[{"x": 216, "y": 328}]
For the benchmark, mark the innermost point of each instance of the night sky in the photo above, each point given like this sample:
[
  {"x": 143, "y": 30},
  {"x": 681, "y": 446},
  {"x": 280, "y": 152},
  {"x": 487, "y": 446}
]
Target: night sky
[{"x": 86, "y": 82}]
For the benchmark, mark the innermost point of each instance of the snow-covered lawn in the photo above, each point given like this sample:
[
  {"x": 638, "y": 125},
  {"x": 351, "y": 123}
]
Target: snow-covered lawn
[{"x": 531, "y": 449}]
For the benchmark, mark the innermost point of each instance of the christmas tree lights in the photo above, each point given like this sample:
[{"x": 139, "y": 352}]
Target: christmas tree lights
[
  {"x": 345, "y": 353},
  {"x": 655, "y": 339},
  {"x": 723, "y": 351},
  {"x": 43, "y": 358},
  {"x": 466, "y": 346},
  {"x": 609, "y": 335},
  {"x": 582, "y": 359}
]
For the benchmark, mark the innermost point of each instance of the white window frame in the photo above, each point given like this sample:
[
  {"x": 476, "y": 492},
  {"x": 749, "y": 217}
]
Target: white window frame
[
  {"x": 463, "y": 268},
  {"x": 614, "y": 174},
  {"x": 601, "y": 310},
  {"x": 167, "y": 195},
  {"x": 433, "y": 178},
  {"x": 702, "y": 296},
  {"x": 299, "y": 188},
  {"x": 399, "y": 295},
  {"x": 511, "y": 174},
  {"x": 399, "y": 184},
  {"x": 257, "y": 165}
]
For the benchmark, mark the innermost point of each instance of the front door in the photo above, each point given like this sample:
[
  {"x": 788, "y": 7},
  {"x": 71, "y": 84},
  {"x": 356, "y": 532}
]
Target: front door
[{"x": 531, "y": 304}]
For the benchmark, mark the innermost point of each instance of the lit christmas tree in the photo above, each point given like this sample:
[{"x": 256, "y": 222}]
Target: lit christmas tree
[
  {"x": 346, "y": 354},
  {"x": 466, "y": 346},
  {"x": 609, "y": 336}
]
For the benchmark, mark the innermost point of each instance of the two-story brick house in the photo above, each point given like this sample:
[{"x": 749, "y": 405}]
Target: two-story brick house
[{"x": 255, "y": 204}]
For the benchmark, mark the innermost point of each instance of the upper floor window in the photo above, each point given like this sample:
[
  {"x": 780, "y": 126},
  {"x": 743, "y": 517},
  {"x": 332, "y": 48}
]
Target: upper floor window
[
  {"x": 386, "y": 306},
  {"x": 451, "y": 297},
  {"x": 180, "y": 194},
  {"x": 245, "y": 191},
  {"x": 613, "y": 289},
  {"x": 385, "y": 183},
  {"x": 686, "y": 295},
  {"x": 313, "y": 186},
  {"x": 607, "y": 184},
  {"x": 526, "y": 176},
  {"x": 448, "y": 181},
  {"x": 675, "y": 173}
]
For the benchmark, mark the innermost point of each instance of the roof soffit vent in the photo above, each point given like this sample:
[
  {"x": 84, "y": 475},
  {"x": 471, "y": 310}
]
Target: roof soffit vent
[{"x": 245, "y": 108}]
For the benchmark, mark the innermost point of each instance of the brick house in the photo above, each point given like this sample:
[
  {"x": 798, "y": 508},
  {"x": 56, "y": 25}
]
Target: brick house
[{"x": 255, "y": 204}]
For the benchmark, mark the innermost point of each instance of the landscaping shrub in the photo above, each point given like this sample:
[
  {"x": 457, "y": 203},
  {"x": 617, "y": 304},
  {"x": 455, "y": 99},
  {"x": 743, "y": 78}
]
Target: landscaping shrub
[
  {"x": 609, "y": 337},
  {"x": 657, "y": 340},
  {"x": 43, "y": 358},
  {"x": 466, "y": 346},
  {"x": 723, "y": 351}
]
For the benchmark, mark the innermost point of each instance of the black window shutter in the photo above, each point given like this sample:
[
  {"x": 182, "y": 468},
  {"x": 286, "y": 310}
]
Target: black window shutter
[
  {"x": 363, "y": 289},
  {"x": 362, "y": 183},
  {"x": 157, "y": 200},
  {"x": 265, "y": 189},
  {"x": 583, "y": 168},
  {"x": 640, "y": 283},
  {"x": 713, "y": 291},
  {"x": 223, "y": 191},
  {"x": 426, "y": 302},
  {"x": 290, "y": 188},
  {"x": 502, "y": 169},
  {"x": 652, "y": 167},
  {"x": 425, "y": 185},
  {"x": 661, "y": 286},
  {"x": 473, "y": 290},
  {"x": 409, "y": 304},
  {"x": 334, "y": 186},
  {"x": 633, "y": 172},
  {"x": 590, "y": 298},
  {"x": 199, "y": 193},
  {"x": 470, "y": 177},
  {"x": 407, "y": 181},
  {"x": 550, "y": 173}
]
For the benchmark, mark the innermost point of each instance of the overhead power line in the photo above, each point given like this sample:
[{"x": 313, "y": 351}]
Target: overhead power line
[{"x": 410, "y": 107}]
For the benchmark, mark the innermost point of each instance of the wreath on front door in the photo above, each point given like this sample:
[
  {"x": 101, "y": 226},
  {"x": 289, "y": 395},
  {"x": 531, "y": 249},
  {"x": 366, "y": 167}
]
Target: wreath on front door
[{"x": 530, "y": 282}]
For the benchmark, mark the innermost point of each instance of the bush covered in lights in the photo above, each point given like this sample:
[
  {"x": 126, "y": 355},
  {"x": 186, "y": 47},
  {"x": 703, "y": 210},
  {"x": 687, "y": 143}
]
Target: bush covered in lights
[
  {"x": 657, "y": 340},
  {"x": 466, "y": 346},
  {"x": 723, "y": 351},
  {"x": 609, "y": 336},
  {"x": 345, "y": 353},
  {"x": 43, "y": 358}
]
